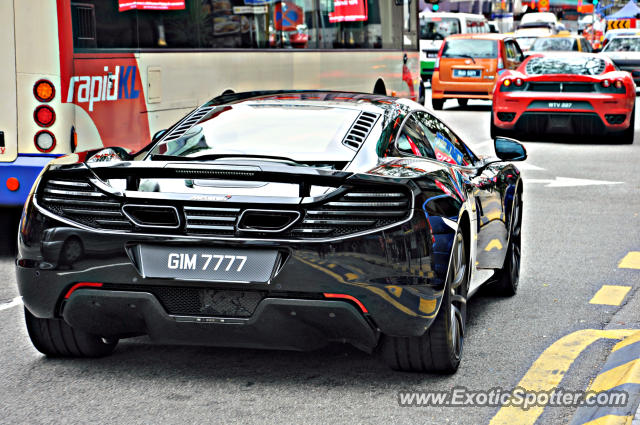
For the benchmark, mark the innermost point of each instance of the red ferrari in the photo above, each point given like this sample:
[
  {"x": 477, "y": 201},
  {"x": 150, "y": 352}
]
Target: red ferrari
[{"x": 581, "y": 94}]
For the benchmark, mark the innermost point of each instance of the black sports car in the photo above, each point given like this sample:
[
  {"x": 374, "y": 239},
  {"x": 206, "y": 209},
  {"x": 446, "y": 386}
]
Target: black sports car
[{"x": 274, "y": 220}]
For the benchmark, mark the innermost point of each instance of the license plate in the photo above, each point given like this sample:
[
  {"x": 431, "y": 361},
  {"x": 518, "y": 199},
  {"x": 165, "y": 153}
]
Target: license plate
[
  {"x": 432, "y": 54},
  {"x": 560, "y": 105},
  {"x": 207, "y": 264},
  {"x": 466, "y": 73}
]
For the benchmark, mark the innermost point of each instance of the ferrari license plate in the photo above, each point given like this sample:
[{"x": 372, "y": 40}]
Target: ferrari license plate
[
  {"x": 466, "y": 73},
  {"x": 207, "y": 264}
]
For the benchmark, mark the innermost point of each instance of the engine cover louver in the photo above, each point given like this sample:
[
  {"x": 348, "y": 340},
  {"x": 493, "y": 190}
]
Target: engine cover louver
[
  {"x": 185, "y": 125},
  {"x": 360, "y": 130}
]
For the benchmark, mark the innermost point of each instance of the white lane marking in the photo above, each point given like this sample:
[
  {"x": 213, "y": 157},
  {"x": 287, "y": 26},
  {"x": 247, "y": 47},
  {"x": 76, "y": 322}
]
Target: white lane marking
[
  {"x": 528, "y": 167},
  {"x": 569, "y": 182},
  {"x": 14, "y": 302}
]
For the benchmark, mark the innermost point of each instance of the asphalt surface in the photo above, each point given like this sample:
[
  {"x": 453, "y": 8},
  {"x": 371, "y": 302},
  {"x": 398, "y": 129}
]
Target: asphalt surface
[{"x": 573, "y": 239}]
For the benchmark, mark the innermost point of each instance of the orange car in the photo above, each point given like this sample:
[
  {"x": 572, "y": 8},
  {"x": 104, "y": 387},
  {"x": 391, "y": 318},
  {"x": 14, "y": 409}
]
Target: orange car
[{"x": 468, "y": 65}]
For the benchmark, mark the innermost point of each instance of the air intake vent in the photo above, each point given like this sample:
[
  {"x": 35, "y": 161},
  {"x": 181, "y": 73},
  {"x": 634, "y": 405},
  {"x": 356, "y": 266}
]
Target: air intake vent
[
  {"x": 353, "y": 213},
  {"x": 189, "y": 122},
  {"x": 211, "y": 221},
  {"x": 81, "y": 202},
  {"x": 360, "y": 130}
]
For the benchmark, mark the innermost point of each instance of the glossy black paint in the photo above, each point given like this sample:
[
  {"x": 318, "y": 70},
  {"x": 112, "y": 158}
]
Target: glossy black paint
[{"x": 397, "y": 273}]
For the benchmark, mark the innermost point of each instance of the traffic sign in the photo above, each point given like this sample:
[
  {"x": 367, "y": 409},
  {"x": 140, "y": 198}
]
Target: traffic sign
[
  {"x": 618, "y": 24},
  {"x": 287, "y": 16},
  {"x": 543, "y": 6}
]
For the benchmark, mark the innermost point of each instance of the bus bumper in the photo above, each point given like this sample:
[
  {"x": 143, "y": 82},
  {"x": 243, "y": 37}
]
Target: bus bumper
[{"x": 25, "y": 169}]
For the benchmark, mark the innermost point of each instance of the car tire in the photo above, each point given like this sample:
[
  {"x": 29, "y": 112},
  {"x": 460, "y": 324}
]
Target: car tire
[
  {"x": 437, "y": 104},
  {"x": 628, "y": 135},
  {"x": 463, "y": 102},
  {"x": 507, "y": 278},
  {"x": 55, "y": 338},
  {"x": 439, "y": 349}
]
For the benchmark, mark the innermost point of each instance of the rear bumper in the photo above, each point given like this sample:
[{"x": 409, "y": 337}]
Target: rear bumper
[
  {"x": 460, "y": 89},
  {"x": 426, "y": 68},
  {"x": 280, "y": 323},
  {"x": 26, "y": 169},
  {"x": 396, "y": 274}
]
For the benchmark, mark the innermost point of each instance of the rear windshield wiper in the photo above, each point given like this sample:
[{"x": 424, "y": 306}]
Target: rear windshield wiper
[{"x": 467, "y": 57}]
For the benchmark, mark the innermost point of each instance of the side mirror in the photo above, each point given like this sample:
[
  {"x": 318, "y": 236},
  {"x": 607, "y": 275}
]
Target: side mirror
[
  {"x": 509, "y": 149},
  {"x": 158, "y": 135}
]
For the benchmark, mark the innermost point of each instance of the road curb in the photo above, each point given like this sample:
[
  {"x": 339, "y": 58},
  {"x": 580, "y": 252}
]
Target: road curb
[{"x": 621, "y": 372}]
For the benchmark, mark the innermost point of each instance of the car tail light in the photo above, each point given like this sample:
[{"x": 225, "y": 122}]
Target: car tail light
[
  {"x": 82, "y": 285},
  {"x": 348, "y": 298},
  {"x": 518, "y": 82},
  {"x": 436, "y": 66},
  {"x": 44, "y": 116},
  {"x": 605, "y": 83},
  {"x": 45, "y": 141},
  {"x": 618, "y": 84},
  {"x": 44, "y": 90},
  {"x": 500, "y": 63},
  {"x": 506, "y": 82}
]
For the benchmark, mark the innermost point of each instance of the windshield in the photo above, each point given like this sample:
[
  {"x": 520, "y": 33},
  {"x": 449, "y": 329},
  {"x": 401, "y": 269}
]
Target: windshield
[
  {"x": 434, "y": 28},
  {"x": 623, "y": 44},
  {"x": 579, "y": 65},
  {"x": 302, "y": 133},
  {"x": 467, "y": 47},
  {"x": 554, "y": 44},
  {"x": 525, "y": 42}
]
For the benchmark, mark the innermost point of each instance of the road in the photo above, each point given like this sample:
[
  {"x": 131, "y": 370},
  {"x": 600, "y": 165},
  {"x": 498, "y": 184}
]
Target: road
[{"x": 575, "y": 234}]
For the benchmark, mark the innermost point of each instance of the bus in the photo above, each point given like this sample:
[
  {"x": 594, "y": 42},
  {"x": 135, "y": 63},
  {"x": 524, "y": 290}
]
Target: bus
[{"x": 87, "y": 74}]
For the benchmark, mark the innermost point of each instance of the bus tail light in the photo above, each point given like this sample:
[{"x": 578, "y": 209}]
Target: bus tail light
[
  {"x": 44, "y": 116},
  {"x": 13, "y": 184},
  {"x": 45, "y": 141},
  {"x": 44, "y": 90}
]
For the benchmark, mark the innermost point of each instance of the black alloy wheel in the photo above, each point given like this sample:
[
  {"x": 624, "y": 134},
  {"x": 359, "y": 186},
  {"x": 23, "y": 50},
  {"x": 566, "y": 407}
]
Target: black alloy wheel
[
  {"x": 508, "y": 277},
  {"x": 439, "y": 349}
]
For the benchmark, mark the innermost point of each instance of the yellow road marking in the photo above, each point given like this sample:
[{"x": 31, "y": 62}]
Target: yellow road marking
[
  {"x": 351, "y": 276},
  {"x": 610, "y": 295},
  {"x": 611, "y": 420},
  {"x": 630, "y": 261},
  {"x": 627, "y": 341},
  {"x": 628, "y": 373},
  {"x": 547, "y": 371},
  {"x": 495, "y": 243}
]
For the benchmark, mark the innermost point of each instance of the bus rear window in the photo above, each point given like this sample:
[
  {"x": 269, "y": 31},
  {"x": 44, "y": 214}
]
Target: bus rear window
[
  {"x": 468, "y": 47},
  {"x": 233, "y": 24}
]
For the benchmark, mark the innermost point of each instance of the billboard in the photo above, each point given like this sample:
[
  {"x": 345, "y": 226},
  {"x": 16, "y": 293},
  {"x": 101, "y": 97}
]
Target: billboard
[
  {"x": 349, "y": 11},
  {"x": 124, "y": 5}
]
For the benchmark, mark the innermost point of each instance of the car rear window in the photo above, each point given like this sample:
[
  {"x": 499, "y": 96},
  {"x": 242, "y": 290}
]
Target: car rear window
[
  {"x": 436, "y": 28},
  {"x": 623, "y": 44},
  {"x": 578, "y": 65},
  {"x": 554, "y": 44},
  {"x": 470, "y": 48},
  {"x": 296, "y": 131}
]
